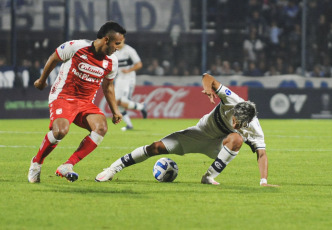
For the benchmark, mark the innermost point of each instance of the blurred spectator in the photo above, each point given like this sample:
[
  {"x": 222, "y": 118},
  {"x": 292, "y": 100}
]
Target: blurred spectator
[
  {"x": 290, "y": 69},
  {"x": 254, "y": 5},
  {"x": 226, "y": 69},
  {"x": 257, "y": 22},
  {"x": 237, "y": 69},
  {"x": 326, "y": 66},
  {"x": 154, "y": 68},
  {"x": 272, "y": 71},
  {"x": 252, "y": 46},
  {"x": 274, "y": 34},
  {"x": 183, "y": 69},
  {"x": 34, "y": 72},
  {"x": 3, "y": 62},
  {"x": 290, "y": 13},
  {"x": 329, "y": 42},
  {"x": 213, "y": 70},
  {"x": 322, "y": 32},
  {"x": 167, "y": 67},
  {"x": 218, "y": 65},
  {"x": 175, "y": 71},
  {"x": 280, "y": 65},
  {"x": 196, "y": 71},
  {"x": 252, "y": 70},
  {"x": 317, "y": 71},
  {"x": 262, "y": 66}
]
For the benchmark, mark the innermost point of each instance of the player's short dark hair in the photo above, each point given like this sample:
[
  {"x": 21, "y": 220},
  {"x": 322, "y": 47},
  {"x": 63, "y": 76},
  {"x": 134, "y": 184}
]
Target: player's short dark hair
[
  {"x": 244, "y": 112},
  {"x": 109, "y": 27}
]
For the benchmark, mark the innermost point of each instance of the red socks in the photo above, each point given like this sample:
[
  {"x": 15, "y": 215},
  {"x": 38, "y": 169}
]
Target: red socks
[
  {"x": 86, "y": 147},
  {"x": 45, "y": 149},
  {"x": 88, "y": 144}
]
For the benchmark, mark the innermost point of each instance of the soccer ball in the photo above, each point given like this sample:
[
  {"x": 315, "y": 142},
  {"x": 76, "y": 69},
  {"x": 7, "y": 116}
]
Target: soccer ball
[{"x": 165, "y": 170}]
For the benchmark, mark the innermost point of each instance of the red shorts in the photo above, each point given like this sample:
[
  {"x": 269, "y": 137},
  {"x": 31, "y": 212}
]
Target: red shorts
[{"x": 73, "y": 110}]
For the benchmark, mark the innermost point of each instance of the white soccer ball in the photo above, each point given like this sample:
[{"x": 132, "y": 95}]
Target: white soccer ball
[{"x": 165, "y": 170}]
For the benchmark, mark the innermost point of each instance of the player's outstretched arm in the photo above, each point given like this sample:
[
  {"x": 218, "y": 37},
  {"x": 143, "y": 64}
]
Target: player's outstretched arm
[
  {"x": 51, "y": 63},
  {"x": 108, "y": 89},
  {"x": 263, "y": 167},
  {"x": 210, "y": 85}
]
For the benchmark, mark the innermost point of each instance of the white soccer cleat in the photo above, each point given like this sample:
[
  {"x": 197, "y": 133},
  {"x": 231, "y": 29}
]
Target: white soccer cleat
[
  {"x": 105, "y": 175},
  {"x": 206, "y": 179},
  {"x": 127, "y": 128},
  {"x": 34, "y": 172},
  {"x": 66, "y": 170}
]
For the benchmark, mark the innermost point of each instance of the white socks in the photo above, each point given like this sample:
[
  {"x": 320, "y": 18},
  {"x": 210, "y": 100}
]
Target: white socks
[
  {"x": 224, "y": 157},
  {"x": 51, "y": 138},
  {"x": 136, "y": 156}
]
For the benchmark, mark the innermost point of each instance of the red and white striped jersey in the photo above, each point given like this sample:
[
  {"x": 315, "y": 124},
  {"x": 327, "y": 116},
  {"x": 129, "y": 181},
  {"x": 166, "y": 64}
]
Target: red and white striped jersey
[{"x": 81, "y": 72}]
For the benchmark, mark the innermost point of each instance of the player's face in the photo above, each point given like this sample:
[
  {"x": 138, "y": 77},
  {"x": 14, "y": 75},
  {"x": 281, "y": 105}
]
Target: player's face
[
  {"x": 113, "y": 43},
  {"x": 235, "y": 124}
]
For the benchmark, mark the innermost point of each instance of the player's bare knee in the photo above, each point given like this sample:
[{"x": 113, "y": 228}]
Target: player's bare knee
[
  {"x": 233, "y": 141},
  {"x": 60, "y": 132},
  {"x": 156, "y": 148},
  {"x": 101, "y": 130}
]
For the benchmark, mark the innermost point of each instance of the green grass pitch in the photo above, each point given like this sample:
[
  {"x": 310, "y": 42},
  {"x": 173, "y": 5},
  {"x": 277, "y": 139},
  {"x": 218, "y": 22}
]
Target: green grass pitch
[{"x": 300, "y": 161}]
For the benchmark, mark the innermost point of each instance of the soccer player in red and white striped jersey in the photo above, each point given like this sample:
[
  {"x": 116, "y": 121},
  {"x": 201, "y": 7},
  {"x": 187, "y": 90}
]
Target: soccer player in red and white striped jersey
[{"x": 85, "y": 66}]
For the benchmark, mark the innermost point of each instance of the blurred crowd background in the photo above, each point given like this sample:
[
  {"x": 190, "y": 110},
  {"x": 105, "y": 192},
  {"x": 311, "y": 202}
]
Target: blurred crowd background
[{"x": 244, "y": 37}]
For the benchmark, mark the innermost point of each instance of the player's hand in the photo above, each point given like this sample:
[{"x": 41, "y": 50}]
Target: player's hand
[
  {"x": 211, "y": 95},
  {"x": 117, "y": 118},
  {"x": 269, "y": 185},
  {"x": 40, "y": 84},
  {"x": 125, "y": 71}
]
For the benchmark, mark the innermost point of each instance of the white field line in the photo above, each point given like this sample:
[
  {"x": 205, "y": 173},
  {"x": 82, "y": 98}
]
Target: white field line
[
  {"x": 65, "y": 147},
  {"x": 160, "y": 134},
  {"x": 75, "y": 133},
  {"x": 133, "y": 147}
]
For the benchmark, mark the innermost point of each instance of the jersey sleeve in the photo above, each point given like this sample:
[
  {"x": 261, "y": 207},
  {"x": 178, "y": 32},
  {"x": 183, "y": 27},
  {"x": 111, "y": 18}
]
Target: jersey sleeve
[
  {"x": 227, "y": 96},
  {"x": 255, "y": 135},
  {"x": 67, "y": 50},
  {"x": 134, "y": 56},
  {"x": 115, "y": 66}
]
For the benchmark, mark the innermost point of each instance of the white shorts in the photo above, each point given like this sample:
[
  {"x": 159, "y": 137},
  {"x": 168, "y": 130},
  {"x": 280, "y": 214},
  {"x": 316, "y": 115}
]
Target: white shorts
[
  {"x": 193, "y": 140},
  {"x": 124, "y": 88}
]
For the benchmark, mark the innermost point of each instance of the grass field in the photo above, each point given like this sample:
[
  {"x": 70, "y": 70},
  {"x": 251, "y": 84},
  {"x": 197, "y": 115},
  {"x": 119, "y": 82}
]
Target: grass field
[{"x": 300, "y": 161}]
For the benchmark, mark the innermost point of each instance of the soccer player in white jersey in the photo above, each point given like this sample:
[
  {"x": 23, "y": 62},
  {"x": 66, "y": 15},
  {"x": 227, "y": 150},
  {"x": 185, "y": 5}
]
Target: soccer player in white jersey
[
  {"x": 219, "y": 135},
  {"x": 129, "y": 63},
  {"x": 85, "y": 66}
]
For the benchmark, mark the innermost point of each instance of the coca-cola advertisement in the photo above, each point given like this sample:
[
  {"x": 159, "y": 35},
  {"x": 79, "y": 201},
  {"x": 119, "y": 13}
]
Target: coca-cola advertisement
[{"x": 170, "y": 102}]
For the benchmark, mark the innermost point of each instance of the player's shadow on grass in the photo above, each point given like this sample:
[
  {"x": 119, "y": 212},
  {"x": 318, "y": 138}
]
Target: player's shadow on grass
[{"x": 85, "y": 190}]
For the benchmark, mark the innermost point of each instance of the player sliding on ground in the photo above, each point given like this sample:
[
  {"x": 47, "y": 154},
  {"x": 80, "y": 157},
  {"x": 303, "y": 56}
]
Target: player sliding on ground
[{"x": 219, "y": 135}]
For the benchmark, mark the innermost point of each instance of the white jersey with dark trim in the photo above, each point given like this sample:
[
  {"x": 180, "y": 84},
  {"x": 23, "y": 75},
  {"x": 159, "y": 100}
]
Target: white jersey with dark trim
[
  {"x": 81, "y": 72},
  {"x": 127, "y": 57},
  {"x": 219, "y": 121}
]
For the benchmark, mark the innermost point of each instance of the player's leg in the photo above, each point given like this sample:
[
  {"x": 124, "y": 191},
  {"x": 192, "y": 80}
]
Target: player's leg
[
  {"x": 140, "y": 154},
  {"x": 231, "y": 146},
  {"x": 97, "y": 124},
  {"x": 126, "y": 119},
  {"x": 129, "y": 104},
  {"x": 59, "y": 129},
  {"x": 181, "y": 142}
]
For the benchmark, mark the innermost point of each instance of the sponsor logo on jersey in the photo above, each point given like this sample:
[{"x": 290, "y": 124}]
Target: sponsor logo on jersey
[
  {"x": 228, "y": 92},
  {"x": 83, "y": 56},
  {"x": 105, "y": 64},
  {"x": 63, "y": 46},
  {"x": 58, "y": 111},
  {"x": 86, "y": 68},
  {"x": 70, "y": 43},
  {"x": 85, "y": 76}
]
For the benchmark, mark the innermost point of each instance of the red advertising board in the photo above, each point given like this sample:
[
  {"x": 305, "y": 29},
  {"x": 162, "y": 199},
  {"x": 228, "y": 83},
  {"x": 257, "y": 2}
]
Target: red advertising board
[{"x": 171, "y": 101}]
